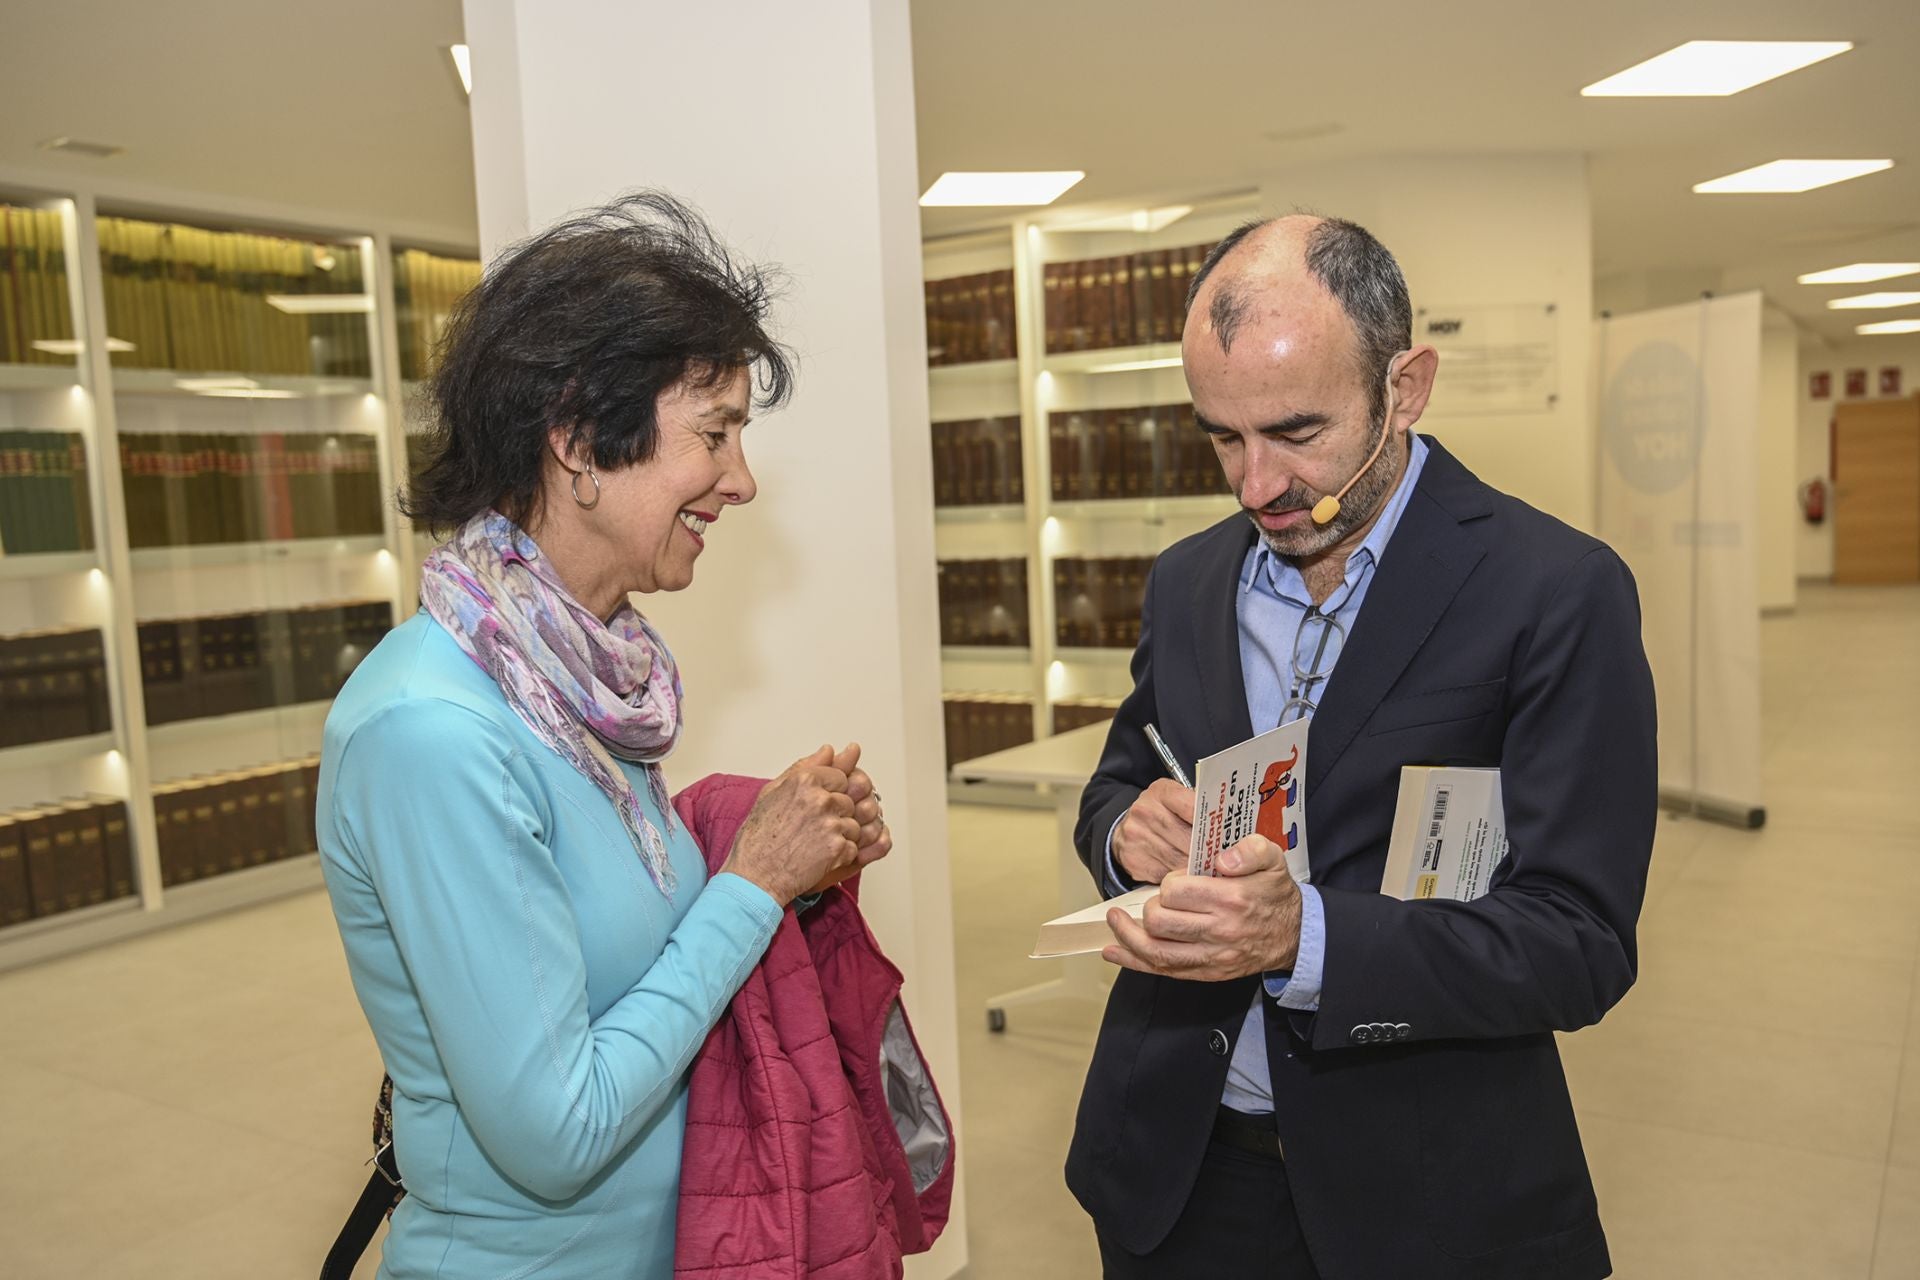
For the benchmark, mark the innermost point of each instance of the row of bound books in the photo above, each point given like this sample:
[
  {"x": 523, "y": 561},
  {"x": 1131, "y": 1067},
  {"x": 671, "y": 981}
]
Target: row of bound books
[
  {"x": 194, "y": 489},
  {"x": 35, "y": 304},
  {"x": 53, "y": 685},
  {"x": 979, "y": 724},
  {"x": 426, "y": 288},
  {"x": 190, "y": 299},
  {"x": 984, "y": 602},
  {"x": 229, "y": 663},
  {"x": 1152, "y": 451},
  {"x": 64, "y": 856},
  {"x": 1078, "y": 713},
  {"x": 1097, "y": 600},
  {"x": 44, "y": 501},
  {"x": 1123, "y": 301},
  {"x": 208, "y": 826},
  {"x": 970, "y": 318},
  {"x": 977, "y": 463}
]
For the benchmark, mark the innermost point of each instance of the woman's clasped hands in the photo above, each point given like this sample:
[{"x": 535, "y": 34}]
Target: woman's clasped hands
[{"x": 815, "y": 825}]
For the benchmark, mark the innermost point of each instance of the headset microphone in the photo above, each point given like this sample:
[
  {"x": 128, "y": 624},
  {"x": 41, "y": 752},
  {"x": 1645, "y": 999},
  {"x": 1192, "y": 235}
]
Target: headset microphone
[{"x": 1328, "y": 507}]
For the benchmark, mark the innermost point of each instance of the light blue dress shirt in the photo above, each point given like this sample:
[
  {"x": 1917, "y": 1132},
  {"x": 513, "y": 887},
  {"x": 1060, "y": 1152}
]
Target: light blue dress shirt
[
  {"x": 536, "y": 998},
  {"x": 1272, "y": 602}
]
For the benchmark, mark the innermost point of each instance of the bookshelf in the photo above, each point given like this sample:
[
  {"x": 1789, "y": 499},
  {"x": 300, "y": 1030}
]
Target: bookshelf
[
  {"x": 1092, "y": 409},
  {"x": 202, "y": 419}
]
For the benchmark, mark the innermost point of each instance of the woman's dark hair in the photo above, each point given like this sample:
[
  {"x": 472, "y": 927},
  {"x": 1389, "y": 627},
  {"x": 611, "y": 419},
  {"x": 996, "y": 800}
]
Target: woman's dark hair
[{"x": 584, "y": 325}]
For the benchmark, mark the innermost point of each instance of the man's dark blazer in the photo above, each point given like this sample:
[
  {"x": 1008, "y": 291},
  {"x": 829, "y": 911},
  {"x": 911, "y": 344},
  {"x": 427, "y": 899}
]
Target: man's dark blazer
[{"x": 1423, "y": 1111}]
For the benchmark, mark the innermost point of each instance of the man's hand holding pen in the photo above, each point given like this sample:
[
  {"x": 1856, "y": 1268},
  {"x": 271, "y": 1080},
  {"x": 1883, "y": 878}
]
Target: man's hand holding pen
[{"x": 1156, "y": 832}]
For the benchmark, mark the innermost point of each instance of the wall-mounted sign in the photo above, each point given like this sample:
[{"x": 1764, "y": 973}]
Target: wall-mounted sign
[
  {"x": 1494, "y": 358},
  {"x": 1890, "y": 380},
  {"x": 1856, "y": 383},
  {"x": 1820, "y": 385}
]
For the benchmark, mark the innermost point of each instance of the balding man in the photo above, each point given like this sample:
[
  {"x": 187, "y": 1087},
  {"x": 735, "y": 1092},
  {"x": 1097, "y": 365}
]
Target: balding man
[{"x": 1324, "y": 1081}]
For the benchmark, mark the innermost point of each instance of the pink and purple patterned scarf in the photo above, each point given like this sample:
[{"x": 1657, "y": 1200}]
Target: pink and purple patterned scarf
[{"x": 591, "y": 690}]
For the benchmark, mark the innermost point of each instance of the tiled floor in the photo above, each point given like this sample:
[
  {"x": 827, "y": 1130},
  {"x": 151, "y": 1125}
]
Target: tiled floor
[{"x": 193, "y": 1104}]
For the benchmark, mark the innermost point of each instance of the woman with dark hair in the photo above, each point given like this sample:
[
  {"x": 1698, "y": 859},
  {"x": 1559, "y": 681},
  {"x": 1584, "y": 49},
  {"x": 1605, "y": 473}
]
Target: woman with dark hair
[{"x": 533, "y": 936}]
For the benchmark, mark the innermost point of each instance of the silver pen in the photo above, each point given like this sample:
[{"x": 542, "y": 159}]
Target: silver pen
[{"x": 1178, "y": 774}]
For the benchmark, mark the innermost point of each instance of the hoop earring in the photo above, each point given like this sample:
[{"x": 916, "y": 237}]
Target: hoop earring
[{"x": 573, "y": 487}]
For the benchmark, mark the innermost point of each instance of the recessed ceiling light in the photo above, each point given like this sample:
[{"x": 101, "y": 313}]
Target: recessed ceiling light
[
  {"x": 1872, "y": 301},
  {"x": 1143, "y": 221},
  {"x": 1714, "y": 68},
  {"x": 1889, "y": 326},
  {"x": 79, "y": 147},
  {"x": 320, "y": 304},
  {"x": 1011, "y": 188},
  {"x": 1790, "y": 176},
  {"x": 462, "y": 58},
  {"x": 1861, "y": 273}
]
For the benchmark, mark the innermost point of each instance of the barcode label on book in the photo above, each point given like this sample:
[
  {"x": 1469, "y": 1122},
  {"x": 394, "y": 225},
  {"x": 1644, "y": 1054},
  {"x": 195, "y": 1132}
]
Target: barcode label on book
[{"x": 1430, "y": 855}]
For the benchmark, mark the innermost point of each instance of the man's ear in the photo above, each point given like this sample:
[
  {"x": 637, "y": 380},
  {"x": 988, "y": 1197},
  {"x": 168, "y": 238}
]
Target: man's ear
[{"x": 1413, "y": 382}]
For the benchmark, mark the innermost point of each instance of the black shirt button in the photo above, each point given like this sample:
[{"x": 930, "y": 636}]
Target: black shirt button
[{"x": 1218, "y": 1043}]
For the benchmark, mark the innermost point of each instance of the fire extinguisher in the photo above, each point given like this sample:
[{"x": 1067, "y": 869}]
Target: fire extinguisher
[{"x": 1813, "y": 500}]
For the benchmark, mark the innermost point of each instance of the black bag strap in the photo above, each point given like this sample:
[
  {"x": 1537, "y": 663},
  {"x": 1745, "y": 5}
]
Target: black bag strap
[{"x": 378, "y": 1198}]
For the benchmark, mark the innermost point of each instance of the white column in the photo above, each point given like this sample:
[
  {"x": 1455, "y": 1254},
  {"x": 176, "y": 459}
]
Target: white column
[{"x": 813, "y": 616}]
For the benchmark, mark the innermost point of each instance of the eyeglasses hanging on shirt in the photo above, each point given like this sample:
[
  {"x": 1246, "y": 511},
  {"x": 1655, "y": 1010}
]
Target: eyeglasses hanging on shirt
[{"x": 1318, "y": 640}]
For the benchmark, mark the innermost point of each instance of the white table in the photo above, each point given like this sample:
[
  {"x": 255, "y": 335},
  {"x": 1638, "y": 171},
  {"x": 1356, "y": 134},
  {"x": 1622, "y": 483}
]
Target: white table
[{"x": 1062, "y": 763}]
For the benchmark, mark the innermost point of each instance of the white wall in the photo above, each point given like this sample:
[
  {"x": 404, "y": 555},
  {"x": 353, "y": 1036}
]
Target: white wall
[
  {"x": 1813, "y": 544},
  {"x": 1476, "y": 229},
  {"x": 813, "y": 616},
  {"x": 1776, "y": 508}
]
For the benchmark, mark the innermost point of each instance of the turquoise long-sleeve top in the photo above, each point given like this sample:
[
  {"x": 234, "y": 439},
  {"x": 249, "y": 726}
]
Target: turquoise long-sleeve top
[{"x": 537, "y": 1000}]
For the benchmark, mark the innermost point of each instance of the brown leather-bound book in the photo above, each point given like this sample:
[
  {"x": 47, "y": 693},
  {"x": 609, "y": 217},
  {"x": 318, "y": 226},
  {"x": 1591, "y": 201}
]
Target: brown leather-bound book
[
  {"x": 1141, "y": 273},
  {"x": 62, "y": 677},
  {"x": 1122, "y": 334},
  {"x": 173, "y": 833},
  {"x": 16, "y": 899},
  {"x": 1177, "y": 280},
  {"x": 43, "y": 867},
  {"x": 1087, "y": 303},
  {"x": 985, "y": 326},
  {"x": 207, "y": 841},
  {"x": 17, "y": 720},
  {"x": 93, "y": 661},
  {"x": 1137, "y": 451},
  {"x": 1059, "y": 455},
  {"x": 1164, "y": 304},
  {"x": 303, "y": 788},
  {"x": 1004, "y": 347},
  {"x": 116, "y": 843},
  {"x": 929, "y": 291},
  {"x": 1195, "y": 256},
  {"x": 1051, "y": 303},
  {"x": 941, "y": 436},
  {"x": 1102, "y": 328},
  {"x": 254, "y": 826},
  {"x": 1116, "y": 434},
  {"x": 949, "y": 723},
  {"x": 277, "y": 837},
  {"x": 943, "y": 595},
  {"x": 1069, "y": 306},
  {"x": 87, "y": 863}
]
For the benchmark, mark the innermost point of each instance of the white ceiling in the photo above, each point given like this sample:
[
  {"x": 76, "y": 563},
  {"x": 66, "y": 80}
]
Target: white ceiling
[{"x": 349, "y": 105}]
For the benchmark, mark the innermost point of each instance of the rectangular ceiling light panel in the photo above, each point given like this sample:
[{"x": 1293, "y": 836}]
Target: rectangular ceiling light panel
[
  {"x": 1714, "y": 68},
  {"x": 1000, "y": 189},
  {"x": 1790, "y": 176}
]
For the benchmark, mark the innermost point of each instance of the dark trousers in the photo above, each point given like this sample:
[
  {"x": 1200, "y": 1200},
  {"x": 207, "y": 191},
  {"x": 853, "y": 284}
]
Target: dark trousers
[{"x": 1239, "y": 1224}]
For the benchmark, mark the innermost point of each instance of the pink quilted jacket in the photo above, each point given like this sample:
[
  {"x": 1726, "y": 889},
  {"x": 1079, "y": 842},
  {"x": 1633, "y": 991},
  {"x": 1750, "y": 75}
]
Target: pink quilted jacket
[{"x": 817, "y": 1145}]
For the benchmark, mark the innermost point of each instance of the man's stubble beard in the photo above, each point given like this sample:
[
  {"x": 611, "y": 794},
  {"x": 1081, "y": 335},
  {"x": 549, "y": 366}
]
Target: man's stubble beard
[{"x": 1303, "y": 542}]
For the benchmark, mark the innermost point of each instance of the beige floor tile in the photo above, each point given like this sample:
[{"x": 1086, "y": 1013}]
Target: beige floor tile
[
  {"x": 1820, "y": 995},
  {"x": 1026, "y": 1225},
  {"x": 92, "y": 1171},
  {"x": 280, "y": 1230},
  {"x": 1896, "y": 1250},
  {"x": 1760, "y": 1084},
  {"x": 1843, "y": 918},
  {"x": 1684, "y": 1206}
]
